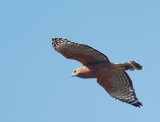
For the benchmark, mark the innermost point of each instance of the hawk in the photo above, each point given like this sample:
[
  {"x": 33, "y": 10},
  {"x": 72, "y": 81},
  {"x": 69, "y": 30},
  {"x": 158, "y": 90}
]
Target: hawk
[{"x": 111, "y": 76}]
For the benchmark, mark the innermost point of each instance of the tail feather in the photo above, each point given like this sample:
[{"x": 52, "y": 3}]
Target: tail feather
[{"x": 133, "y": 65}]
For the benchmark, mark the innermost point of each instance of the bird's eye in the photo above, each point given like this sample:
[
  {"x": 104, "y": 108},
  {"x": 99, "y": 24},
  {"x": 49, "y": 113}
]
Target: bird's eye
[{"x": 74, "y": 71}]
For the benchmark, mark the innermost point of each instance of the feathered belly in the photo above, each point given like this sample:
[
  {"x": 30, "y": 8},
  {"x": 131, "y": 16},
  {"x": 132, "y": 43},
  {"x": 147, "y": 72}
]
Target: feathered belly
[{"x": 94, "y": 71}]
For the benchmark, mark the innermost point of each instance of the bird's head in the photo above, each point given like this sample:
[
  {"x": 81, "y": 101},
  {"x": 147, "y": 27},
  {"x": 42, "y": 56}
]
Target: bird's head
[{"x": 76, "y": 72}]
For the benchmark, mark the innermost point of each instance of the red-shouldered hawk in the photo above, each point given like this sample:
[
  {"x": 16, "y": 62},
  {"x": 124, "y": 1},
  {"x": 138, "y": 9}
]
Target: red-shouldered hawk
[{"x": 112, "y": 77}]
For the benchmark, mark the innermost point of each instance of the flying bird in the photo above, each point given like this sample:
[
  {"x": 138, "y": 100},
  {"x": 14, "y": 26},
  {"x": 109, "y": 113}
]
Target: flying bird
[{"x": 111, "y": 76}]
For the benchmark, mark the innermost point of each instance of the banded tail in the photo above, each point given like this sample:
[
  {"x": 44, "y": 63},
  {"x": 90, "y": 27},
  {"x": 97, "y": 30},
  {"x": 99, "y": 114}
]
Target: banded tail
[{"x": 133, "y": 65}]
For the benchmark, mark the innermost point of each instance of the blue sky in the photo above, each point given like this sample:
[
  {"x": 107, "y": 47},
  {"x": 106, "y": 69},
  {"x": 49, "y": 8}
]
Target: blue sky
[{"x": 35, "y": 82}]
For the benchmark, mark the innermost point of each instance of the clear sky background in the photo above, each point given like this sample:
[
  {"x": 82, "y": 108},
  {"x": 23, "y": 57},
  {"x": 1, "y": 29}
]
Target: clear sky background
[{"x": 35, "y": 82}]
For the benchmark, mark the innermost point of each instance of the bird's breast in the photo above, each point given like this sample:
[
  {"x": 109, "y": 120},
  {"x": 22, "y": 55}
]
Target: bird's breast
[{"x": 95, "y": 70}]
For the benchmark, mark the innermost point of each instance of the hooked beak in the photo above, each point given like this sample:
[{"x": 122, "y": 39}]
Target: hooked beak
[{"x": 72, "y": 75}]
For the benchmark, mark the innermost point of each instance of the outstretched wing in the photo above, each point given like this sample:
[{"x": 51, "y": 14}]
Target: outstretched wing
[
  {"x": 119, "y": 86},
  {"x": 83, "y": 53}
]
